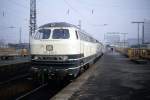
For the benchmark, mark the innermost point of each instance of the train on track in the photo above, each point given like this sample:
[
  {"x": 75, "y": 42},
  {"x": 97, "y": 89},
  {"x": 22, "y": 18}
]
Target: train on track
[
  {"x": 11, "y": 53},
  {"x": 62, "y": 49}
]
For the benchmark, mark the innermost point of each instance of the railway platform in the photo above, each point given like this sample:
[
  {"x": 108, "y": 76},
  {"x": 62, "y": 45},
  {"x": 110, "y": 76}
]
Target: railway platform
[{"x": 114, "y": 77}]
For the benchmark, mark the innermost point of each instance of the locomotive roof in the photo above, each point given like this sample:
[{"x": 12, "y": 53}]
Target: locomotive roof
[{"x": 58, "y": 24}]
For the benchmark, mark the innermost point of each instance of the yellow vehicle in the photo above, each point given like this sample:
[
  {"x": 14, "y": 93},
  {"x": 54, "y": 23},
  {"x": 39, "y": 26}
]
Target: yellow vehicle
[
  {"x": 135, "y": 53},
  {"x": 145, "y": 53},
  {"x": 23, "y": 52}
]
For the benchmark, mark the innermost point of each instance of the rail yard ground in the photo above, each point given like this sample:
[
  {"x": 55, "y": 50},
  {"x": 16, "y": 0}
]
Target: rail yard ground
[{"x": 114, "y": 77}]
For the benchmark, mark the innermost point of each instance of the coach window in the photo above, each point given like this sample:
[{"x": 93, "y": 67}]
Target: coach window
[
  {"x": 43, "y": 34},
  {"x": 60, "y": 34}
]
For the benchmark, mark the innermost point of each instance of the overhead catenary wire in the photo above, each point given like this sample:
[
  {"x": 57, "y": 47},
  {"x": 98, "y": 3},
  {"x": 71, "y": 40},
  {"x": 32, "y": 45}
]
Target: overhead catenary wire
[
  {"x": 68, "y": 4},
  {"x": 75, "y": 10},
  {"x": 18, "y": 4},
  {"x": 81, "y": 15},
  {"x": 88, "y": 8},
  {"x": 5, "y": 11}
]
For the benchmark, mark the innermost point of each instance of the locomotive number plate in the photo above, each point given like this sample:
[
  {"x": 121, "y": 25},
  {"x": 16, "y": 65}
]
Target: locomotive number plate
[{"x": 49, "y": 47}]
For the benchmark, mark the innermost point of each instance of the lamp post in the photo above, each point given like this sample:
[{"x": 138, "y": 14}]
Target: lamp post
[
  {"x": 138, "y": 23},
  {"x": 20, "y": 33},
  {"x": 143, "y": 34}
]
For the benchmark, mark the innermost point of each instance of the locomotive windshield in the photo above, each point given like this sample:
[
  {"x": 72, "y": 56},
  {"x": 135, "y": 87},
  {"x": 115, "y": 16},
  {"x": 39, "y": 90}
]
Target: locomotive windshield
[
  {"x": 43, "y": 34},
  {"x": 60, "y": 34}
]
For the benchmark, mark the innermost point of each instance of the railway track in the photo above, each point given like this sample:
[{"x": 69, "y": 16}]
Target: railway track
[
  {"x": 26, "y": 88},
  {"x": 13, "y": 79},
  {"x": 29, "y": 89},
  {"x": 48, "y": 90},
  {"x": 44, "y": 91},
  {"x": 31, "y": 92},
  {"x": 14, "y": 85},
  {"x": 14, "y": 88},
  {"x": 11, "y": 72}
]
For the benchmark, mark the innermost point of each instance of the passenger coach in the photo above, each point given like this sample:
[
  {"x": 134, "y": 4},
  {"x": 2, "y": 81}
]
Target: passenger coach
[{"x": 63, "y": 49}]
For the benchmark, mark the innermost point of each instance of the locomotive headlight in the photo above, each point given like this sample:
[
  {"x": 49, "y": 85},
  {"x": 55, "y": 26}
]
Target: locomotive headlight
[
  {"x": 49, "y": 47},
  {"x": 35, "y": 57},
  {"x": 64, "y": 58}
]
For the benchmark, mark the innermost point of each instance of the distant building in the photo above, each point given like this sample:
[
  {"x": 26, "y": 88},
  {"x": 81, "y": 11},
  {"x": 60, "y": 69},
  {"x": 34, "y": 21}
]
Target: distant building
[{"x": 112, "y": 38}]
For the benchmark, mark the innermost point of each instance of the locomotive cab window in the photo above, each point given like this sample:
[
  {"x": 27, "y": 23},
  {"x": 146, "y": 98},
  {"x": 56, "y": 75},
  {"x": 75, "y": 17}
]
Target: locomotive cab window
[
  {"x": 77, "y": 35},
  {"x": 60, "y": 34},
  {"x": 43, "y": 34}
]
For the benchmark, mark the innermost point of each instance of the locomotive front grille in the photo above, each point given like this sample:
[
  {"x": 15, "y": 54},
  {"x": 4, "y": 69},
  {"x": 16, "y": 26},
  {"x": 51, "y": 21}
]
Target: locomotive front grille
[
  {"x": 50, "y": 58},
  {"x": 47, "y": 58},
  {"x": 57, "y": 57}
]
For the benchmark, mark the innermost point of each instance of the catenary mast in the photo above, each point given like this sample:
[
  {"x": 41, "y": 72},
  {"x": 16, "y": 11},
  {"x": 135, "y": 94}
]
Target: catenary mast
[{"x": 32, "y": 17}]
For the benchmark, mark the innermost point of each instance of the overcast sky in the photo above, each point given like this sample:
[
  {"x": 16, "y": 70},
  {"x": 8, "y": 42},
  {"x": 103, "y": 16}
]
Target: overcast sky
[{"x": 117, "y": 14}]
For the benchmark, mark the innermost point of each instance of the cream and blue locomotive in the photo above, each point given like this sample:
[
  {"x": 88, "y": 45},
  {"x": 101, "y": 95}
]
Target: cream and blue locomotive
[{"x": 63, "y": 49}]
